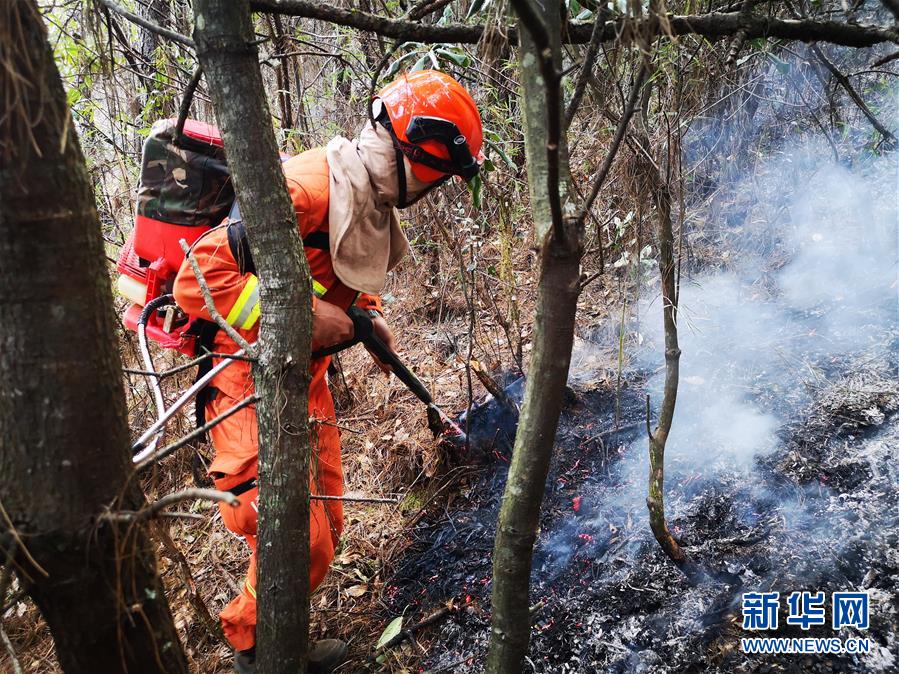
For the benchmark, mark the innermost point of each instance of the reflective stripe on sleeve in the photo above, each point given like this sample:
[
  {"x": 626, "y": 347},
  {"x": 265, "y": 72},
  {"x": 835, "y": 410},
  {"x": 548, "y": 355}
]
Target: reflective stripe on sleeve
[
  {"x": 318, "y": 289},
  {"x": 250, "y": 588},
  {"x": 246, "y": 309}
]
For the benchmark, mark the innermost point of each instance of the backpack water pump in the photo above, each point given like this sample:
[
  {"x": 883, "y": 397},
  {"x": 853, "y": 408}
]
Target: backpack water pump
[{"x": 185, "y": 189}]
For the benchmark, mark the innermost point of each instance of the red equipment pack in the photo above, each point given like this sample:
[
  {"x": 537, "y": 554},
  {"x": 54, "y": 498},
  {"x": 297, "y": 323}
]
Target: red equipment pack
[{"x": 185, "y": 189}]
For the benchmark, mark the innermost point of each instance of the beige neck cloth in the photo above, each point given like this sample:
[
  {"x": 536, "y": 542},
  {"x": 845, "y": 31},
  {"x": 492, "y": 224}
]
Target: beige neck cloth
[{"x": 364, "y": 227}]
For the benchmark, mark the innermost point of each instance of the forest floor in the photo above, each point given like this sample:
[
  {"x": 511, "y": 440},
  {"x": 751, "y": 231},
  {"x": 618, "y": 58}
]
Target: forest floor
[
  {"x": 816, "y": 512},
  {"x": 780, "y": 473}
]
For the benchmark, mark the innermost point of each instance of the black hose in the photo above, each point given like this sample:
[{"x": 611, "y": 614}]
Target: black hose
[{"x": 152, "y": 306}]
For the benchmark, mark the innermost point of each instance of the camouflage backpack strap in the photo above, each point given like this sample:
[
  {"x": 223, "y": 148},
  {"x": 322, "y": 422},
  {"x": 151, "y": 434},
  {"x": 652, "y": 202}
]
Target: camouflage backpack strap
[{"x": 240, "y": 246}]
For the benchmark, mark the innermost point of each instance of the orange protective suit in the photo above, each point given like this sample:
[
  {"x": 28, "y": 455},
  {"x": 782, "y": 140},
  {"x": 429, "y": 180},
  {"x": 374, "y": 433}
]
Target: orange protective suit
[{"x": 235, "y": 440}]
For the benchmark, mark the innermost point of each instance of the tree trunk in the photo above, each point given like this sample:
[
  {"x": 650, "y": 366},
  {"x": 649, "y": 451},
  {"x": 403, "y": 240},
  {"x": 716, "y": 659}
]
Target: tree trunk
[
  {"x": 63, "y": 424},
  {"x": 159, "y": 12},
  {"x": 557, "y": 295},
  {"x": 658, "y": 186},
  {"x": 224, "y": 34},
  {"x": 158, "y": 101},
  {"x": 655, "y": 500}
]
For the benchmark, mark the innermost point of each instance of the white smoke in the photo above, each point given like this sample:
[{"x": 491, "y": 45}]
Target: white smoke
[{"x": 824, "y": 286}]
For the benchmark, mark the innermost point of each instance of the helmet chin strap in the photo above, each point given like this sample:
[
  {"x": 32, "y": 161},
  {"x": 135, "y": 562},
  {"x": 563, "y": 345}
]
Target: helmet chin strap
[
  {"x": 400, "y": 177},
  {"x": 379, "y": 115},
  {"x": 403, "y": 200}
]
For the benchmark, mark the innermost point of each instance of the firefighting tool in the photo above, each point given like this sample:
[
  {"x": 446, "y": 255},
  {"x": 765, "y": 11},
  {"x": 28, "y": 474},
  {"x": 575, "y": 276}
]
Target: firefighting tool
[{"x": 439, "y": 421}]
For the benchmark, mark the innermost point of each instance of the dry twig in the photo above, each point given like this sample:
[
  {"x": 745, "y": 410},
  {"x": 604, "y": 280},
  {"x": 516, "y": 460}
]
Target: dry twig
[
  {"x": 155, "y": 508},
  {"x": 888, "y": 137},
  {"x": 16, "y": 665},
  {"x": 210, "y": 304},
  {"x": 149, "y": 25},
  {"x": 616, "y": 141},
  {"x": 196, "y": 433}
]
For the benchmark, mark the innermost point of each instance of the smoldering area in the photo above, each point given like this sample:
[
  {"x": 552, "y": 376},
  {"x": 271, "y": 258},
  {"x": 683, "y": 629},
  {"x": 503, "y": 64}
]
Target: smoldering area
[{"x": 781, "y": 466}]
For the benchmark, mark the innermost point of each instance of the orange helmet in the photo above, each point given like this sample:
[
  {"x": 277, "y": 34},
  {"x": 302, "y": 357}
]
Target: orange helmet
[{"x": 434, "y": 122}]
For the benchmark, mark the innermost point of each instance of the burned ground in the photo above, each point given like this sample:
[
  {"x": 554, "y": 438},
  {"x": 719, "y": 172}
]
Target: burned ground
[
  {"x": 819, "y": 513},
  {"x": 780, "y": 469}
]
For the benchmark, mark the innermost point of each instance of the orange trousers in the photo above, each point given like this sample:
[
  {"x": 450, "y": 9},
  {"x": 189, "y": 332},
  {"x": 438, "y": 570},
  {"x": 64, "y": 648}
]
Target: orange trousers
[{"x": 236, "y": 461}]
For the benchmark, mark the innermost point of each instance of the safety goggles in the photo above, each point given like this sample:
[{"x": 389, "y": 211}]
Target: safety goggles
[
  {"x": 445, "y": 132},
  {"x": 420, "y": 129}
]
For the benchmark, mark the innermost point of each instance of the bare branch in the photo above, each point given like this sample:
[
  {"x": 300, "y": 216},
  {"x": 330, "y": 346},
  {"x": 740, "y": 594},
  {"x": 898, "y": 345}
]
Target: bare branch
[
  {"x": 186, "y": 99},
  {"x": 354, "y": 499},
  {"x": 886, "y": 59},
  {"x": 421, "y": 9},
  {"x": 888, "y": 137},
  {"x": 20, "y": 544},
  {"x": 210, "y": 304},
  {"x": 156, "y": 508},
  {"x": 196, "y": 433},
  {"x": 616, "y": 141},
  {"x": 580, "y": 85},
  {"x": 714, "y": 26},
  {"x": 188, "y": 365},
  {"x": 740, "y": 37},
  {"x": 16, "y": 665},
  {"x": 149, "y": 25}
]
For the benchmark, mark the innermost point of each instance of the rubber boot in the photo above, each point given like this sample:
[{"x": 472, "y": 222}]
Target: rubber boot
[
  {"x": 326, "y": 655},
  {"x": 245, "y": 661},
  {"x": 323, "y": 658}
]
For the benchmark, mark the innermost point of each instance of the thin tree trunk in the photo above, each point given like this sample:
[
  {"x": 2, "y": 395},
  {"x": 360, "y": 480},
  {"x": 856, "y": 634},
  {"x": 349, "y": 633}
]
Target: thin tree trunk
[
  {"x": 63, "y": 424},
  {"x": 655, "y": 500},
  {"x": 658, "y": 186},
  {"x": 159, "y": 12},
  {"x": 158, "y": 101},
  {"x": 224, "y": 34},
  {"x": 557, "y": 295}
]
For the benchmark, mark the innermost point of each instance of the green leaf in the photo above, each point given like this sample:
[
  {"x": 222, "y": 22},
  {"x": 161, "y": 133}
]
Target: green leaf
[
  {"x": 461, "y": 59},
  {"x": 421, "y": 63},
  {"x": 476, "y": 7},
  {"x": 474, "y": 188},
  {"x": 396, "y": 65},
  {"x": 496, "y": 147},
  {"x": 392, "y": 630},
  {"x": 782, "y": 66}
]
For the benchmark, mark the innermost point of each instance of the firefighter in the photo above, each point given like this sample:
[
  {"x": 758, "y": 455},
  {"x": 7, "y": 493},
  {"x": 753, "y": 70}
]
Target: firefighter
[{"x": 426, "y": 129}]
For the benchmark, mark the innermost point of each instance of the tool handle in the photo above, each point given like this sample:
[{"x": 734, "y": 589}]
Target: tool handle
[
  {"x": 403, "y": 373},
  {"x": 362, "y": 330}
]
